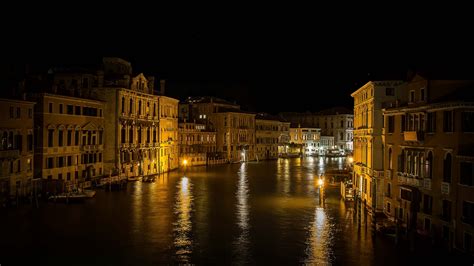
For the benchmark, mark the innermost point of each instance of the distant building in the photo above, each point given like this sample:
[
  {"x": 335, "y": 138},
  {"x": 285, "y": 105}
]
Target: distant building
[
  {"x": 308, "y": 139},
  {"x": 271, "y": 136},
  {"x": 197, "y": 144},
  {"x": 200, "y": 108},
  {"x": 429, "y": 160},
  {"x": 16, "y": 148},
  {"x": 336, "y": 122},
  {"x": 235, "y": 133}
]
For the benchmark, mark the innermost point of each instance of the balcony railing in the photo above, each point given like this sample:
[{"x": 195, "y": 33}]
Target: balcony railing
[
  {"x": 405, "y": 179},
  {"x": 10, "y": 154},
  {"x": 445, "y": 187},
  {"x": 413, "y": 136}
]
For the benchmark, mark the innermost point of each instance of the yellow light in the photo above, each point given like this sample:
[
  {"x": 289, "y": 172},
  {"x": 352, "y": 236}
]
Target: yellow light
[
  {"x": 185, "y": 162},
  {"x": 320, "y": 182},
  {"x": 350, "y": 159}
]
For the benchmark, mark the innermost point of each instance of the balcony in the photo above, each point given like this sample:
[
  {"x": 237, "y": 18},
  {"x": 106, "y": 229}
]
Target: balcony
[
  {"x": 427, "y": 183},
  {"x": 410, "y": 180},
  {"x": 388, "y": 174},
  {"x": 445, "y": 188},
  {"x": 413, "y": 136},
  {"x": 10, "y": 154}
]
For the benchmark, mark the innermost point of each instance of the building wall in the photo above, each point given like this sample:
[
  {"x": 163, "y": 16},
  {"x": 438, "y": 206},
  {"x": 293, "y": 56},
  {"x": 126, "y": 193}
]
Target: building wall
[
  {"x": 368, "y": 148},
  {"x": 196, "y": 144},
  {"x": 70, "y": 138},
  {"x": 308, "y": 138},
  {"x": 235, "y": 135},
  {"x": 272, "y": 136},
  {"x": 425, "y": 155},
  {"x": 169, "y": 153},
  {"x": 16, "y": 148}
]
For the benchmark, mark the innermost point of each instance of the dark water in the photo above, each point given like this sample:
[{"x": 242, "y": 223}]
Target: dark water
[{"x": 253, "y": 213}]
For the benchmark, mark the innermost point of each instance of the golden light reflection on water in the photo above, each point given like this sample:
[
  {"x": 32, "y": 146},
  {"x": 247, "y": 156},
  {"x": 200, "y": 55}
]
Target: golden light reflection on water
[
  {"x": 182, "y": 227},
  {"x": 283, "y": 175},
  {"x": 320, "y": 238},
  {"x": 241, "y": 244}
]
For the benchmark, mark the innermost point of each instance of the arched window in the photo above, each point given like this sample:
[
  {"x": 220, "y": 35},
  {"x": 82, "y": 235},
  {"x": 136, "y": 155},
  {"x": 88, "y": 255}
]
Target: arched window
[
  {"x": 130, "y": 135},
  {"x": 122, "y": 134},
  {"x": 131, "y": 106},
  {"x": 429, "y": 165},
  {"x": 123, "y": 104},
  {"x": 447, "y": 165},
  {"x": 389, "y": 158}
]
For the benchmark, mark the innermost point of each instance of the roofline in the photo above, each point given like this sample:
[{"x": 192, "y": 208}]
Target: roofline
[
  {"x": 69, "y": 97},
  {"x": 17, "y": 101}
]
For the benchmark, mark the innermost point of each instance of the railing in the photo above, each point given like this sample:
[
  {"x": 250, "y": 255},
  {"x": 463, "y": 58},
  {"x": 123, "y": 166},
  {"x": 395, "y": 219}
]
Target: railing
[
  {"x": 388, "y": 174},
  {"x": 9, "y": 154},
  {"x": 445, "y": 188},
  {"x": 410, "y": 180},
  {"x": 413, "y": 135}
]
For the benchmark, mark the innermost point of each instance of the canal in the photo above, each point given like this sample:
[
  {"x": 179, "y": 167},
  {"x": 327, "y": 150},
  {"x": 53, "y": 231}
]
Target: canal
[{"x": 253, "y": 213}]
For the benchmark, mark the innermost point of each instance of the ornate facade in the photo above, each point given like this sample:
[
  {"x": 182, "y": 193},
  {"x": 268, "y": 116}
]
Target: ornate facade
[{"x": 272, "y": 136}]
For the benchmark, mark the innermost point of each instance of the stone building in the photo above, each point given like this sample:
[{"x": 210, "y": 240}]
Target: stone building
[{"x": 272, "y": 136}]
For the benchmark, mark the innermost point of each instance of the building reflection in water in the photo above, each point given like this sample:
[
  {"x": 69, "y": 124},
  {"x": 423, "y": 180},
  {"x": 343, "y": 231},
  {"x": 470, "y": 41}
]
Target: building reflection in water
[
  {"x": 320, "y": 238},
  {"x": 182, "y": 227},
  {"x": 242, "y": 243},
  {"x": 283, "y": 176}
]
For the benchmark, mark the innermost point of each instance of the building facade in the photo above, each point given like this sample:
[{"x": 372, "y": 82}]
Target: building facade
[
  {"x": 69, "y": 134},
  {"x": 429, "y": 161},
  {"x": 200, "y": 108},
  {"x": 197, "y": 144},
  {"x": 16, "y": 148},
  {"x": 235, "y": 134},
  {"x": 337, "y": 122},
  {"x": 368, "y": 149},
  {"x": 169, "y": 152},
  {"x": 306, "y": 138},
  {"x": 271, "y": 136}
]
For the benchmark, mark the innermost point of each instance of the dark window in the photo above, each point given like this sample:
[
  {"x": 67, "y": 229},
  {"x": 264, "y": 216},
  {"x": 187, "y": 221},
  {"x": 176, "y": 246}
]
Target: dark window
[
  {"x": 60, "y": 108},
  {"x": 30, "y": 113},
  {"x": 391, "y": 124},
  {"x": 422, "y": 94},
  {"x": 447, "y": 168},
  {"x": 50, "y": 163},
  {"x": 468, "y": 212},
  {"x": 427, "y": 204},
  {"x": 50, "y": 137},
  {"x": 60, "y": 138},
  {"x": 78, "y": 110},
  {"x": 76, "y": 138},
  {"x": 389, "y": 91},
  {"x": 405, "y": 194},
  {"x": 50, "y": 107},
  {"x": 19, "y": 142},
  {"x": 139, "y": 135},
  {"x": 446, "y": 212},
  {"x": 69, "y": 137},
  {"x": 139, "y": 107},
  {"x": 70, "y": 109},
  {"x": 131, "y": 106},
  {"x": 123, "y": 105},
  {"x": 431, "y": 122},
  {"x": 69, "y": 160},
  {"x": 61, "y": 161},
  {"x": 60, "y": 176},
  {"x": 122, "y": 134},
  {"x": 100, "y": 157},
  {"x": 68, "y": 176},
  {"x": 429, "y": 165},
  {"x": 18, "y": 112},
  {"x": 101, "y": 135},
  {"x": 12, "y": 110},
  {"x": 448, "y": 121},
  {"x": 467, "y": 121},
  {"x": 466, "y": 173},
  {"x": 130, "y": 135}
]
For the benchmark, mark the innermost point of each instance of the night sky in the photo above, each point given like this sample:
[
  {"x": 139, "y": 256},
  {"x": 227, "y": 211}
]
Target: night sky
[{"x": 301, "y": 64}]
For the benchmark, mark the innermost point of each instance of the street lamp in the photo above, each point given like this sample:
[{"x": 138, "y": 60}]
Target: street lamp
[{"x": 185, "y": 163}]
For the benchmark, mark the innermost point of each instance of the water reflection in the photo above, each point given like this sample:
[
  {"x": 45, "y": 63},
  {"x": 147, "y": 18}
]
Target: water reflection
[
  {"x": 283, "y": 175},
  {"x": 182, "y": 227},
  {"x": 241, "y": 244},
  {"x": 318, "y": 250}
]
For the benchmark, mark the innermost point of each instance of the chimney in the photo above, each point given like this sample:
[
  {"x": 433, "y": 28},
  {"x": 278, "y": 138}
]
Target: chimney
[{"x": 162, "y": 86}]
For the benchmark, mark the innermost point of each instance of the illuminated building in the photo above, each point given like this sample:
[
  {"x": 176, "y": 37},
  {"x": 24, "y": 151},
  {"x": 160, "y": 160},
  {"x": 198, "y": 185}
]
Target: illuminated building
[{"x": 272, "y": 136}]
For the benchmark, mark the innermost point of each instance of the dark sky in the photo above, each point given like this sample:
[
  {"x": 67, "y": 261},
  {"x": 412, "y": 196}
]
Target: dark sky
[{"x": 298, "y": 63}]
